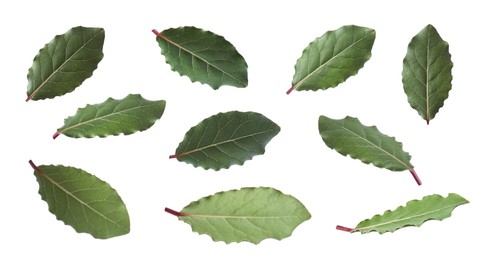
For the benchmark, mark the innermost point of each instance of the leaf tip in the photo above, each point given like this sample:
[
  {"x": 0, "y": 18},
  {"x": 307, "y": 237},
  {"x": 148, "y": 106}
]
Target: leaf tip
[
  {"x": 345, "y": 229},
  {"x": 415, "y": 176}
]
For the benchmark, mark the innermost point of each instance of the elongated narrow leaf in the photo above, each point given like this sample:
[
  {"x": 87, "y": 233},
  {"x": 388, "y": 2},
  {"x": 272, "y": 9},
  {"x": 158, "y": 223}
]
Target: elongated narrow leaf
[
  {"x": 203, "y": 56},
  {"x": 248, "y": 214},
  {"x": 349, "y": 136},
  {"x": 113, "y": 117},
  {"x": 82, "y": 201},
  {"x": 64, "y": 63},
  {"x": 226, "y": 139},
  {"x": 415, "y": 213},
  {"x": 426, "y": 72},
  {"x": 333, "y": 58}
]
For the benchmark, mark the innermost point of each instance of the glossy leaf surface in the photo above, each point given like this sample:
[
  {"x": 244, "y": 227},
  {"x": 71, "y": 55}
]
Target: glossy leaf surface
[
  {"x": 65, "y": 62},
  {"x": 333, "y": 58},
  {"x": 427, "y": 72},
  {"x": 203, "y": 56},
  {"x": 248, "y": 214},
  {"x": 82, "y": 201},
  {"x": 226, "y": 139},
  {"x": 414, "y": 213},
  {"x": 113, "y": 117}
]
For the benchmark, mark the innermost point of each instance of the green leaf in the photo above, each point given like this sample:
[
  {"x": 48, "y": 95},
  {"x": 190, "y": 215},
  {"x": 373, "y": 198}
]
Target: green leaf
[
  {"x": 333, "y": 58},
  {"x": 248, "y": 214},
  {"x": 426, "y": 72},
  {"x": 226, "y": 139},
  {"x": 203, "y": 56},
  {"x": 415, "y": 213},
  {"x": 349, "y": 136},
  {"x": 113, "y": 117},
  {"x": 65, "y": 62},
  {"x": 82, "y": 201}
]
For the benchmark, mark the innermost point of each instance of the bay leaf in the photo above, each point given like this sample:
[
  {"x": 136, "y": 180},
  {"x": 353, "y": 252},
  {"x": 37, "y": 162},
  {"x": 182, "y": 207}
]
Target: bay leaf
[
  {"x": 332, "y": 58},
  {"x": 64, "y": 63},
  {"x": 113, "y": 117},
  {"x": 426, "y": 74},
  {"x": 82, "y": 201},
  {"x": 203, "y": 56},
  {"x": 349, "y": 136},
  {"x": 226, "y": 139},
  {"x": 414, "y": 213},
  {"x": 248, "y": 214}
]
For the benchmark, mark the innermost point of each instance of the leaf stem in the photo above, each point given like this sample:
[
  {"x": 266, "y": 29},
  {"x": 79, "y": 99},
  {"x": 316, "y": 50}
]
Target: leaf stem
[
  {"x": 32, "y": 164},
  {"x": 427, "y": 121},
  {"x": 415, "y": 176},
  {"x": 175, "y": 213},
  {"x": 346, "y": 229},
  {"x": 55, "y": 135},
  {"x": 291, "y": 89},
  {"x": 173, "y": 156}
]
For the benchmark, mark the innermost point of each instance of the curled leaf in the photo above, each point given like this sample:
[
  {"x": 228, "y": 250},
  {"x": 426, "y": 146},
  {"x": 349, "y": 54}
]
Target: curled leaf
[
  {"x": 415, "y": 213},
  {"x": 349, "y": 136},
  {"x": 426, "y": 72},
  {"x": 226, "y": 139},
  {"x": 82, "y": 201},
  {"x": 248, "y": 214},
  {"x": 65, "y": 62},
  {"x": 203, "y": 56},
  {"x": 333, "y": 58},
  {"x": 113, "y": 117}
]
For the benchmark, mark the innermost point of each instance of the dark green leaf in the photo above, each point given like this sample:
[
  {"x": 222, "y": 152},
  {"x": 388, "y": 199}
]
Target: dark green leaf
[
  {"x": 248, "y": 214},
  {"x": 333, "y": 58},
  {"x": 203, "y": 56},
  {"x": 349, "y": 136},
  {"x": 82, "y": 201},
  {"x": 64, "y": 63},
  {"x": 415, "y": 213},
  {"x": 426, "y": 72},
  {"x": 226, "y": 139},
  {"x": 113, "y": 117}
]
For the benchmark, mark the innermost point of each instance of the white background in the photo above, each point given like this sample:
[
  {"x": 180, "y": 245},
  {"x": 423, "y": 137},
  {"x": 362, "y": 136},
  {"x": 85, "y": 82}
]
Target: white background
[{"x": 447, "y": 154}]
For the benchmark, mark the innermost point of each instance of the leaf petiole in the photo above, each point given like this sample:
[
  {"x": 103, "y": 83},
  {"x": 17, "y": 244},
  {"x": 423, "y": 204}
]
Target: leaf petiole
[
  {"x": 415, "y": 176},
  {"x": 176, "y": 213},
  {"x": 346, "y": 229}
]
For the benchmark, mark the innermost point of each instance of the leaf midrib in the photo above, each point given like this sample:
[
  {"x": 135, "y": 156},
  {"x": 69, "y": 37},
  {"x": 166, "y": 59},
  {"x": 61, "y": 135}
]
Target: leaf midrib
[
  {"x": 43, "y": 174},
  {"x": 427, "y": 77},
  {"x": 236, "y": 217},
  {"x": 62, "y": 65},
  {"x": 380, "y": 148},
  {"x": 403, "y": 219},
  {"x": 223, "y": 142},
  {"x": 324, "y": 64},
  {"x": 103, "y": 117},
  {"x": 164, "y": 37}
]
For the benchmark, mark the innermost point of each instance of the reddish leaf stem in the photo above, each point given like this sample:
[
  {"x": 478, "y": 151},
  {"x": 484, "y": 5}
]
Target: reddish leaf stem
[
  {"x": 55, "y": 135},
  {"x": 175, "y": 213},
  {"x": 28, "y": 98},
  {"x": 172, "y": 156},
  {"x": 415, "y": 176},
  {"x": 427, "y": 121},
  {"x": 346, "y": 229},
  {"x": 291, "y": 89},
  {"x": 32, "y": 164}
]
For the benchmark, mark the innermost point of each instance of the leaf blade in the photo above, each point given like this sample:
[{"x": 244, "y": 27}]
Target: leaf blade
[
  {"x": 414, "y": 213},
  {"x": 332, "y": 58},
  {"x": 349, "y": 136},
  {"x": 226, "y": 139},
  {"x": 82, "y": 201},
  {"x": 113, "y": 117},
  {"x": 203, "y": 56},
  {"x": 248, "y": 214},
  {"x": 426, "y": 74},
  {"x": 64, "y": 63}
]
